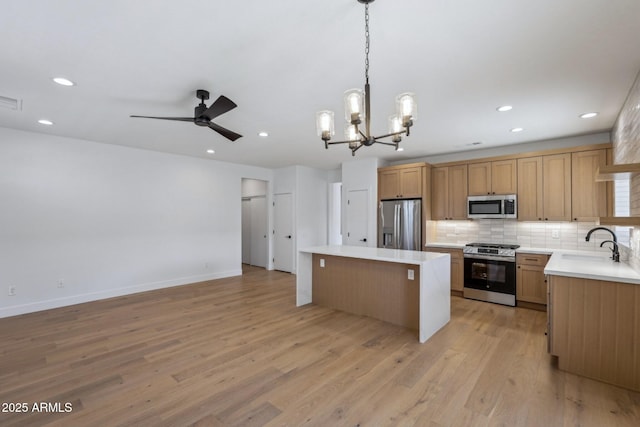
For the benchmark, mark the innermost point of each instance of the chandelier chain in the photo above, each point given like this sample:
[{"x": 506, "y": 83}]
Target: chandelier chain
[{"x": 366, "y": 48}]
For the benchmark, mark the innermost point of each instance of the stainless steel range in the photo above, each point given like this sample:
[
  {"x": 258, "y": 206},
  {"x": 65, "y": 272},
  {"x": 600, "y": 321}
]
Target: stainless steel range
[{"x": 490, "y": 272}]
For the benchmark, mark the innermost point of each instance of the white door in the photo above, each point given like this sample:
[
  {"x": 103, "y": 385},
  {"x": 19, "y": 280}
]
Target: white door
[
  {"x": 283, "y": 232},
  {"x": 246, "y": 231},
  {"x": 357, "y": 229},
  {"x": 259, "y": 231}
]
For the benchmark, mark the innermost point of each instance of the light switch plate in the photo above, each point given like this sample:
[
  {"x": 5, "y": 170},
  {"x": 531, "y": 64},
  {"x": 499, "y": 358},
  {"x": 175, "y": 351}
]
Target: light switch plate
[
  {"x": 321, "y": 262},
  {"x": 410, "y": 274}
]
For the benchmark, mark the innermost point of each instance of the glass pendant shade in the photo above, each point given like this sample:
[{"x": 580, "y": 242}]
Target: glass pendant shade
[
  {"x": 351, "y": 135},
  {"x": 354, "y": 106},
  {"x": 325, "y": 124},
  {"x": 395, "y": 126},
  {"x": 407, "y": 107}
]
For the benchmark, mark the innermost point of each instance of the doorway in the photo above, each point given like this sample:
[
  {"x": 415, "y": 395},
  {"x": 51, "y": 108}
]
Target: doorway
[
  {"x": 357, "y": 222},
  {"x": 255, "y": 235},
  {"x": 283, "y": 239}
]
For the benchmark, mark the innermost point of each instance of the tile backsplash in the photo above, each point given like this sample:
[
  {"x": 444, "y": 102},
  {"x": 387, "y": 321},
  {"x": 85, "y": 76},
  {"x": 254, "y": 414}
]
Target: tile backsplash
[
  {"x": 552, "y": 235},
  {"x": 625, "y": 137}
]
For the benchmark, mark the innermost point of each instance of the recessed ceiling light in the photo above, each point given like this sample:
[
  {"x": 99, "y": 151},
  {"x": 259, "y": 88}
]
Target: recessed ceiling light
[
  {"x": 400, "y": 149},
  {"x": 475, "y": 143},
  {"x": 45, "y": 122},
  {"x": 504, "y": 108},
  {"x": 263, "y": 134},
  {"x": 588, "y": 115},
  {"x": 517, "y": 129},
  {"x": 64, "y": 82},
  {"x": 210, "y": 151}
]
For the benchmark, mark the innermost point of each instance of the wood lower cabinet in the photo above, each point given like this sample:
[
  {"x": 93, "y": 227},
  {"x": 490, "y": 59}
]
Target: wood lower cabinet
[
  {"x": 457, "y": 267},
  {"x": 449, "y": 192},
  {"x": 531, "y": 283},
  {"x": 400, "y": 182},
  {"x": 594, "y": 329}
]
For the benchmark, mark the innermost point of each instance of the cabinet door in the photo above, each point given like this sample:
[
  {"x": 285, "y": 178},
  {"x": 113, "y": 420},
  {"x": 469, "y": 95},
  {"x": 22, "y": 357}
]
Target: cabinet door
[
  {"x": 531, "y": 284},
  {"x": 439, "y": 193},
  {"x": 458, "y": 192},
  {"x": 457, "y": 273},
  {"x": 556, "y": 170},
  {"x": 530, "y": 189},
  {"x": 479, "y": 179},
  {"x": 504, "y": 178},
  {"x": 388, "y": 184},
  {"x": 588, "y": 197},
  {"x": 411, "y": 182}
]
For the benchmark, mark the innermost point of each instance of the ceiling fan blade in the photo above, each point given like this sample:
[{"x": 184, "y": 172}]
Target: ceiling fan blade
[
  {"x": 180, "y": 119},
  {"x": 220, "y": 106},
  {"x": 224, "y": 132}
]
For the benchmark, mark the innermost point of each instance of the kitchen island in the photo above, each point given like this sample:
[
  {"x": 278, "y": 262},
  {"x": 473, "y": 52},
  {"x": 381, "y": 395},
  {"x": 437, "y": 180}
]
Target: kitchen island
[{"x": 406, "y": 288}]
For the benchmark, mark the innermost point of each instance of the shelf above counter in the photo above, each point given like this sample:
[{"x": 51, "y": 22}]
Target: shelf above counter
[
  {"x": 622, "y": 221},
  {"x": 617, "y": 172}
]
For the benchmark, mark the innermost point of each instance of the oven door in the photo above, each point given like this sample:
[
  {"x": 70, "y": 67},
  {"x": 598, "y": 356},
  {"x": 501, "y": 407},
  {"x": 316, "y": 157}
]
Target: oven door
[{"x": 487, "y": 273}]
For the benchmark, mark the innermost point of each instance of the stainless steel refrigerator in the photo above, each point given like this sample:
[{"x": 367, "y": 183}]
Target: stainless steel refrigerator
[{"x": 400, "y": 224}]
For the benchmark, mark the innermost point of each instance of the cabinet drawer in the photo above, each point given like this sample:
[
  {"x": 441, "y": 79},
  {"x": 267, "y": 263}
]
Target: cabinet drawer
[{"x": 532, "y": 259}]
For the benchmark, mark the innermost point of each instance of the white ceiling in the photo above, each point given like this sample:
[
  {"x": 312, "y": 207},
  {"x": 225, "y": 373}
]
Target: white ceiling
[{"x": 281, "y": 61}]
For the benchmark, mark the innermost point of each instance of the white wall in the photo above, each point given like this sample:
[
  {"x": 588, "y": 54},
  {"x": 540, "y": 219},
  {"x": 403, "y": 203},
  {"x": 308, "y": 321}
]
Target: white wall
[
  {"x": 110, "y": 220},
  {"x": 311, "y": 207},
  {"x": 361, "y": 174}
]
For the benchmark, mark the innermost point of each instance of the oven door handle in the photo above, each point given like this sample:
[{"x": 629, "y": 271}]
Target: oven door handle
[{"x": 490, "y": 258}]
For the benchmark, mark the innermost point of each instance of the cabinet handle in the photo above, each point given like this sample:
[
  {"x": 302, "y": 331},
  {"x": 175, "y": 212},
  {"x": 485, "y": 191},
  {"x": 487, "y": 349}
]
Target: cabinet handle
[
  {"x": 518, "y": 266},
  {"x": 539, "y": 219},
  {"x": 546, "y": 219},
  {"x": 575, "y": 219}
]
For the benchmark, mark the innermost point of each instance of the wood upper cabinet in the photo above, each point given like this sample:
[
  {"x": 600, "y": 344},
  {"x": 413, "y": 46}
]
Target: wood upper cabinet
[
  {"x": 498, "y": 177},
  {"x": 544, "y": 188},
  {"x": 400, "y": 182},
  {"x": 588, "y": 197},
  {"x": 531, "y": 283},
  {"x": 530, "y": 189},
  {"x": 556, "y": 192},
  {"x": 449, "y": 192}
]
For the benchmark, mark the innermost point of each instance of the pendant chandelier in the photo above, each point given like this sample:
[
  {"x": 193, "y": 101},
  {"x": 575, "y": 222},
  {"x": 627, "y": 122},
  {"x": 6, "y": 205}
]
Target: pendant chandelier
[{"x": 357, "y": 104}]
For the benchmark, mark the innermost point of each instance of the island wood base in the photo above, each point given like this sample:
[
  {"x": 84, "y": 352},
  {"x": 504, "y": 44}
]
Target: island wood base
[
  {"x": 376, "y": 289},
  {"x": 375, "y": 282}
]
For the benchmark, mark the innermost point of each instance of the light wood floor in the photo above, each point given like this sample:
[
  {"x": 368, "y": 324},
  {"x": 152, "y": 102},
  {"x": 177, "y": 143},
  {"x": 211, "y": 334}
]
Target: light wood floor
[{"x": 238, "y": 352}]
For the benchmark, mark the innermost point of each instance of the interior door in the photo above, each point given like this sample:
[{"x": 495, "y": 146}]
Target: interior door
[
  {"x": 357, "y": 218},
  {"x": 259, "y": 231},
  {"x": 283, "y": 247},
  {"x": 246, "y": 231}
]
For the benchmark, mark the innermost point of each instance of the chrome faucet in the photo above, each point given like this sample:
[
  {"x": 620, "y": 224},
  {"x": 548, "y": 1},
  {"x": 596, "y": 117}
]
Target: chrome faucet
[{"x": 616, "y": 253}]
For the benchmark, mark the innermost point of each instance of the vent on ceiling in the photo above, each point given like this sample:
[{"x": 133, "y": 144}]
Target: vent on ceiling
[{"x": 10, "y": 103}]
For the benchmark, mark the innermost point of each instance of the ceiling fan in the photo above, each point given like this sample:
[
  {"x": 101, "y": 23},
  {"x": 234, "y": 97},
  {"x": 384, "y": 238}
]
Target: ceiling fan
[{"x": 203, "y": 116}]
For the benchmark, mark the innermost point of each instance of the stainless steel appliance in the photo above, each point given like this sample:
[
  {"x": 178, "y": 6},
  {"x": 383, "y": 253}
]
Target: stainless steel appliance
[
  {"x": 498, "y": 206},
  {"x": 490, "y": 272},
  {"x": 400, "y": 224}
]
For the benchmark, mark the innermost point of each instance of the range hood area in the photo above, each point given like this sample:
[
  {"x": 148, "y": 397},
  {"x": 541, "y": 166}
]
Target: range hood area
[{"x": 614, "y": 173}]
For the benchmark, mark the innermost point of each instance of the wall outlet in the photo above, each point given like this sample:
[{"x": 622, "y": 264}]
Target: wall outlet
[
  {"x": 555, "y": 234},
  {"x": 61, "y": 283},
  {"x": 410, "y": 274},
  {"x": 12, "y": 291},
  {"x": 322, "y": 262}
]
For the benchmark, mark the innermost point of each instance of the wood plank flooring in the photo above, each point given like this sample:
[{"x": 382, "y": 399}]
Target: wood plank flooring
[{"x": 238, "y": 352}]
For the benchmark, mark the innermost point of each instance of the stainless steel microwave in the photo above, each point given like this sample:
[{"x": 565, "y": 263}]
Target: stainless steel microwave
[{"x": 499, "y": 206}]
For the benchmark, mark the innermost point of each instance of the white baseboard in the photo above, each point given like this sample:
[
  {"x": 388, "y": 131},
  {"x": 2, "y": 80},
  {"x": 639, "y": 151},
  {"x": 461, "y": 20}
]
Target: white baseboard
[{"x": 31, "y": 307}]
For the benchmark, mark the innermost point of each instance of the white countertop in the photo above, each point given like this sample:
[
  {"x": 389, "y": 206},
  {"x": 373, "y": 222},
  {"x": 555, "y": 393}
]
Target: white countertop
[
  {"x": 590, "y": 265},
  {"x": 377, "y": 254},
  {"x": 445, "y": 245}
]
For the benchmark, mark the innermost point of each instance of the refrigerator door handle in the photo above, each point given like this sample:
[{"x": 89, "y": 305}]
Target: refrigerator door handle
[{"x": 399, "y": 226}]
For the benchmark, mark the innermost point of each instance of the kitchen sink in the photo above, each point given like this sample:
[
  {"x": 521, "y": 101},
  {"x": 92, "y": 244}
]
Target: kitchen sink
[{"x": 587, "y": 258}]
